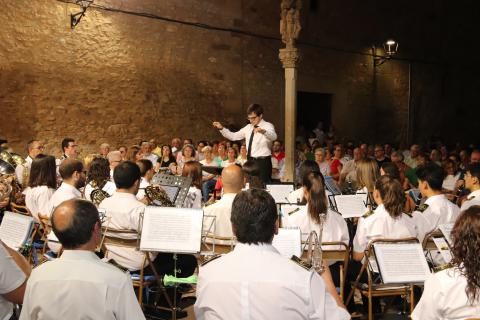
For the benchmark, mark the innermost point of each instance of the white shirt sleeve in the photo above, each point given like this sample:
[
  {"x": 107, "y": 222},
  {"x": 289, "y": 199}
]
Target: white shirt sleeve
[
  {"x": 360, "y": 240},
  {"x": 428, "y": 308},
  {"x": 270, "y": 133},
  {"x": 234, "y": 136}
]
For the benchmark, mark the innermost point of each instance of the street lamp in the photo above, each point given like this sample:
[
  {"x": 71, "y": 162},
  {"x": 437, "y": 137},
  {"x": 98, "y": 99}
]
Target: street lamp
[{"x": 390, "y": 47}]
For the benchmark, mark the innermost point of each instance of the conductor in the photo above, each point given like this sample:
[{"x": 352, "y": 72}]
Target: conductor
[{"x": 259, "y": 135}]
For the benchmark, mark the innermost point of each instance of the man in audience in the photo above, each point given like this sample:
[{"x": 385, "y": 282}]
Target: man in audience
[
  {"x": 437, "y": 208},
  {"x": 104, "y": 149},
  {"x": 176, "y": 146},
  {"x": 146, "y": 172},
  {"x": 114, "y": 159},
  {"x": 146, "y": 151},
  {"x": 34, "y": 148},
  {"x": 475, "y": 156},
  {"x": 380, "y": 157},
  {"x": 14, "y": 271},
  {"x": 254, "y": 281},
  {"x": 123, "y": 211},
  {"x": 411, "y": 160},
  {"x": 233, "y": 183},
  {"x": 123, "y": 152},
  {"x": 472, "y": 183},
  {"x": 78, "y": 285},
  {"x": 278, "y": 161},
  {"x": 349, "y": 170}
]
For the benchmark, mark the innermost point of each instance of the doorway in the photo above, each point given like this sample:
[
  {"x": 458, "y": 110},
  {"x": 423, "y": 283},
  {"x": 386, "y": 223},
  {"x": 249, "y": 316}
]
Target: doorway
[{"x": 313, "y": 107}]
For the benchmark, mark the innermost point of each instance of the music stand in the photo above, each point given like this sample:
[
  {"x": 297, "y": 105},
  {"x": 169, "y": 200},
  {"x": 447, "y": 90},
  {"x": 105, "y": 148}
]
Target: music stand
[{"x": 176, "y": 187}]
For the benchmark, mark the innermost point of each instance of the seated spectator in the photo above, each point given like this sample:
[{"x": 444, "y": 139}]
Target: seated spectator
[
  {"x": 79, "y": 285},
  {"x": 208, "y": 179}
]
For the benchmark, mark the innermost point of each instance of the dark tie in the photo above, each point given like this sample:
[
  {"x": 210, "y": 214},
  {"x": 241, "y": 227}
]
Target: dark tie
[{"x": 249, "y": 151}]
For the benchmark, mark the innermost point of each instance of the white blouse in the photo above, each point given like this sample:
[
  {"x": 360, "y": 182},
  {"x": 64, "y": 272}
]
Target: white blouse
[{"x": 37, "y": 200}]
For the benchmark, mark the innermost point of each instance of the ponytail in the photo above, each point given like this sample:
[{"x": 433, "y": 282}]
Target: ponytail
[
  {"x": 392, "y": 195},
  {"x": 317, "y": 202}
]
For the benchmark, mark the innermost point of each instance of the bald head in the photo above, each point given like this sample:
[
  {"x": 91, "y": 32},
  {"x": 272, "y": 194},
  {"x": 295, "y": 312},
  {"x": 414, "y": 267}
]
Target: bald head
[
  {"x": 232, "y": 179},
  {"x": 73, "y": 222}
]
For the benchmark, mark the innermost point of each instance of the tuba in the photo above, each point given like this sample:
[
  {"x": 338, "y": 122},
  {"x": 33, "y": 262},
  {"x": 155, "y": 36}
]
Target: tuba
[
  {"x": 315, "y": 253},
  {"x": 158, "y": 197},
  {"x": 7, "y": 174}
]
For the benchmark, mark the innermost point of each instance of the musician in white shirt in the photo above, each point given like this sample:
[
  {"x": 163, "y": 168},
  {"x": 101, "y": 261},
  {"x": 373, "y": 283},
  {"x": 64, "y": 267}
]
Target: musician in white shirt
[
  {"x": 258, "y": 136},
  {"x": 78, "y": 285},
  {"x": 454, "y": 293},
  {"x": 437, "y": 208},
  {"x": 34, "y": 148},
  {"x": 233, "y": 182},
  {"x": 42, "y": 184},
  {"x": 98, "y": 177},
  {"x": 297, "y": 196},
  {"x": 74, "y": 178},
  {"x": 254, "y": 281},
  {"x": 146, "y": 172},
  {"x": 472, "y": 183}
]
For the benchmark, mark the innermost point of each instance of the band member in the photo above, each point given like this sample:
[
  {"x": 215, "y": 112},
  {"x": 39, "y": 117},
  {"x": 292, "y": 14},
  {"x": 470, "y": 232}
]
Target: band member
[{"x": 259, "y": 135}]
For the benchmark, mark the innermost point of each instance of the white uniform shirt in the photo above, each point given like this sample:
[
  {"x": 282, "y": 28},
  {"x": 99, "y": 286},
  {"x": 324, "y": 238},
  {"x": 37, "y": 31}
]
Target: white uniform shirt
[
  {"x": 444, "y": 298},
  {"x": 193, "y": 199},
  {"x": 141, "y": 191},
  {"x": 222, "y": 210},
  {"x": 295, "y": 196},
  {"x": 439, "y": 211},
  {"x": 63, "y": 193},
  {"x": 37, "y": 200},
  {"x": 122, "y": 211},
  {"x": 381, "y": 225},
  {"x": 109, "y": 188},
  {"x": 20, "y": 169},
  {"x": 473, "y": 199},
  {"x": 11, "y": 277},
  {"x": 335, "y": 228},
  {"x": 256, "y": 282},
  {"x": 261, "y": 144},
  {"x": 79, "y": 285}
]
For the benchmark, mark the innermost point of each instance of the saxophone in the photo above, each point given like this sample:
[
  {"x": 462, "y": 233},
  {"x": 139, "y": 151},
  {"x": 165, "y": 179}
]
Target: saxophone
[{"x": 315, "y": 253}]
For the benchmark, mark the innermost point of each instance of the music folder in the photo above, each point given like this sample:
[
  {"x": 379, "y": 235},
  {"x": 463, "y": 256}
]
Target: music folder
[
  {"x": 288, "y": 242},
  {"x": 401, "y": 263},
  {"x": 280, "y": 192},
  {"x": 175, "y": 230},
  {"x": 15, "y": 229},
  {"x": 351, "y": 206}
]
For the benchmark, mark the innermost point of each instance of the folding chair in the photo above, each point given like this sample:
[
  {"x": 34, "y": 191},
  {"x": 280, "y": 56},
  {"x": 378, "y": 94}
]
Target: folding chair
[
  {"x": 374, "y": 288},
  {"x": 128, "y": 239}
]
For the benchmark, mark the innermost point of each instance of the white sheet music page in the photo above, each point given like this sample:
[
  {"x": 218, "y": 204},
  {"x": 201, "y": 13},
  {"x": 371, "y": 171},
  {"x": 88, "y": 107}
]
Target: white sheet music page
[
  {"x": 447, "y": 231},
  {"x": 176, "y": 230},
  {"x": 280, "y": 192},
  {"x": 15, "y": 229},
  {"x": 288, "y": 242},
  {"x": 401, "y": 262},
  {"x": 351, "y": 206}
]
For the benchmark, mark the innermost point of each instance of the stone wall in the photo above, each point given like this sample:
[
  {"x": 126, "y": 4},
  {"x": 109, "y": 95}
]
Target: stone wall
[{"x": 120, "y": 78}]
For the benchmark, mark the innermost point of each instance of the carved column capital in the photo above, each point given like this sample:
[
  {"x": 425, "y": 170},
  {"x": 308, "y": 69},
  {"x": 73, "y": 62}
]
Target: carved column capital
[{"x": 289, "y": 57}]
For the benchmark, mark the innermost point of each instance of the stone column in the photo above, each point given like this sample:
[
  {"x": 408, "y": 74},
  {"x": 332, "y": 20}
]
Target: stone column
[{"x": 289, "y": 58}]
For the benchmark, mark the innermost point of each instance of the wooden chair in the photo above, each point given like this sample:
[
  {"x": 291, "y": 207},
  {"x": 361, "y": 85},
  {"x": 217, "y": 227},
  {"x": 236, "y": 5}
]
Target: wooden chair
[
  {"x": 375, "y": 289},
  {"x": 128, "y": 239}
]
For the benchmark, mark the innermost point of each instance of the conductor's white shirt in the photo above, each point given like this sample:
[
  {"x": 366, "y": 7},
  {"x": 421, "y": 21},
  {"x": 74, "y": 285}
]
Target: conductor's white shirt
[
  {"x": 256, "y": 282},
  {"x": 334, "y": 230},
  {"x": 78, "y": 285},
  {"x": 381, "y": 225},
  {"x": 222, "y": 211},
  {"x": 473, "y": 199},
  {"x": 261, "y": 144},
  {"x": 37, "y": 200},
  {"x": 444, "y": 298},
  {"x": 122, "y": 212},
  {"x": 439, "y": 211}
]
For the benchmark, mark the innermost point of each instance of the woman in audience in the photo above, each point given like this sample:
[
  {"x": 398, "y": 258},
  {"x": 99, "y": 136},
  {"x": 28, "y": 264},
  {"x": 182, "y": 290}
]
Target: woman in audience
[
  {"x": 242, "y": 158},
  {"x": 221, "y": 154},
  {"x": 98, "y": 177},
  {"x": 454, "y": 293},
  {"x": 193, "y": 169},
  {"x": 208, "y": 179},
  {"x": 231, "y": 158},
  {"x": 322, "y": 162},
  {"x": 42, "y": 184},
  {"x": 336, "y": 164},
  {"x": 451, "y": 177},
  {"x": 188, "y": 154},
  {"x": 167, "y": 159},
  {"x": 132, "y": 153}
]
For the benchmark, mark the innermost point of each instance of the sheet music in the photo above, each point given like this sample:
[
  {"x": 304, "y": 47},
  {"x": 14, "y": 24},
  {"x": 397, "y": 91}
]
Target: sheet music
[
  {"x": 444, "y": 249},
  {"x": 15, "y": 229},
  {"x": 288, "y": 242},
  {"x": 280, "y": 192},
  {"x": 447, "y": 231},
  {"x": 401, "y": 262},
  {"x": 176, "y": 230},
  {"x": 288, "y": 209},
  {"x": 351, "y": 205}
]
